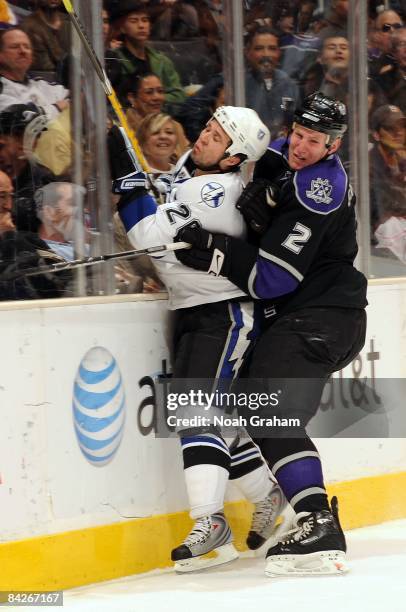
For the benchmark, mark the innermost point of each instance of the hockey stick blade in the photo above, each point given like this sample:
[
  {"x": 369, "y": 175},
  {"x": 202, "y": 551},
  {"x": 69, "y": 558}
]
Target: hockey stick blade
[{"x": 91, "y": 261}]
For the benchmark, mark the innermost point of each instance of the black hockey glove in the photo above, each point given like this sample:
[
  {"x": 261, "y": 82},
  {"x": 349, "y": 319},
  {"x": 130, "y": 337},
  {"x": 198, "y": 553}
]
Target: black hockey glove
[
  {"x": 208, "y": 252},
  {"x": 256, "y": 203}
]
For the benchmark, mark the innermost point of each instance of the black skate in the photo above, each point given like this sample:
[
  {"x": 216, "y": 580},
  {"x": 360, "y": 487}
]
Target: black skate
[
  {"x": 315, "y": 547},
  {"x": 210, "y": 534},
  {"x": 264, "y": 518}
]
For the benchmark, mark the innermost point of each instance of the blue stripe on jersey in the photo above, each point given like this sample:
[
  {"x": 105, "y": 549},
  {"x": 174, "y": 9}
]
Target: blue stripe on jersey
[
  {"x": 271, "y": 280},
  {"x": 207, "y": 439},
  {"x": 300, "y": 474},
  {"x": 244, "y": 456},
  {"x": 136, "y": 210}
]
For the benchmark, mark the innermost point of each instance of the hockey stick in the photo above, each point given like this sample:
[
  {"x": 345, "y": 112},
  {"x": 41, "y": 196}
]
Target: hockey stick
[
  {"x": 137, "y": 156},
  {"x": 91, "y": 261}
]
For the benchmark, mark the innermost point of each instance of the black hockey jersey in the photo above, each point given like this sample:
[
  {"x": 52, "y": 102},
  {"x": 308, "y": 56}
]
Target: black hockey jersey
[{"x": 306, "y": 256}]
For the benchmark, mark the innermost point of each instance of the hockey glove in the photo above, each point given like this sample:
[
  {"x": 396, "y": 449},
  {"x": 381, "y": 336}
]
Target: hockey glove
[
  {"x": 129, "y": 182},
  {"x": 208, "y": 252},
  {"x": 256, "y": 204}
]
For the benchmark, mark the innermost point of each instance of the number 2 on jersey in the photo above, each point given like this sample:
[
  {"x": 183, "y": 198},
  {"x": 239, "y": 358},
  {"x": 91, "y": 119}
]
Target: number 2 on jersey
[{"x": 301, "y": 233}]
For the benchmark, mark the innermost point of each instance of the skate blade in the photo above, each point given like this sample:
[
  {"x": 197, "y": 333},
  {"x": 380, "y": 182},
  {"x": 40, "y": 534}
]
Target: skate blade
[
  {"x": 218, "y": 556},
  {"x": 324, "y": 563},
  {"x": 280, "y": 528}
]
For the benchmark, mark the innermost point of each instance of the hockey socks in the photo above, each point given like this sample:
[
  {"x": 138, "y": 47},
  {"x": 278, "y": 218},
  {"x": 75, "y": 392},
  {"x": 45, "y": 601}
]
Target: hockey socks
[
  {"x": 206, "y": 461},
  {"x": 296, "y": 465}
]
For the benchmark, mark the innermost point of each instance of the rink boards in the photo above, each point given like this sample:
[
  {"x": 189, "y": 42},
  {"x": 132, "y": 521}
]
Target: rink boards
[{"x": 85, "y": 499}]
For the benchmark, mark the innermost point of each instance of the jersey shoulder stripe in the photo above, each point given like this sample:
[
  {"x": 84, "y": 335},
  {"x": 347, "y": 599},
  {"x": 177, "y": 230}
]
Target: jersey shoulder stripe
[
  {"x": 134, "y": 211},
  {"x": 277, "y": 145},
  {"x": 321, "y": 187}
]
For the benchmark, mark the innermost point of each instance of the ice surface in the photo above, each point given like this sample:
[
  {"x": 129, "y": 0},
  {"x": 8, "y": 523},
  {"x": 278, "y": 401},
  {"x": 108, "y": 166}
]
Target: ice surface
[{"x": 376, "y": 583}]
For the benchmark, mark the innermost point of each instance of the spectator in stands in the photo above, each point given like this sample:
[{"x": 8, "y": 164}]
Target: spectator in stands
[
  {"x": 18, "y": 163},
  {"x": 330, "y": 73},
  {"x": 318, "y": 22},
  {"x": 162, "y": 141},
  {"x": 109, "y": 42},
  {"x": 393, "y": 80},
  {"x": 211, "y": 20},
  {"x": 258, "y": 13},
  {"x": 143, "y": 94},
  {"x": 6, "y": 203},
  {"x": 198, "y": 109},
  {"x": 387, "y": 164},
  {"x": 7, "y": 17},
  {"x": 57, "y": 206},
  {"x": 337, "y": 15},
  {"x": 174, "y": 19},
  {"x": 304, "y": 15},
  {"x": 269, "y": 91},
  {"x": 386, "y": 23},
  {"x": 43, "y": 142},
  {"x": 20, "y": 250},
  {"x": 131, "y": 23},
  {"x": 301, "y": 48},
  {"x": 285, "y": 23},
  {"x": 49, "y": 32},
  {"x": 16, "y": 87}
]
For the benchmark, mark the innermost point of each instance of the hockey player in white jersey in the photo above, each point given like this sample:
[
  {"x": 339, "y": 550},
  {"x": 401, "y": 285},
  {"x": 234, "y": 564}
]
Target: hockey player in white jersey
[{"x": 214, "y": 326}]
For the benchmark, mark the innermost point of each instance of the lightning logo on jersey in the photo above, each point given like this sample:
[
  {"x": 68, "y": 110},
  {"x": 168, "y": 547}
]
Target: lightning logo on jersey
[{"x": 212, "y": 194}]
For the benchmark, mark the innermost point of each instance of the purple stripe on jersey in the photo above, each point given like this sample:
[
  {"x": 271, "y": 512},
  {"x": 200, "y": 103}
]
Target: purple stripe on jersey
[
  {"x": 277, "y": 145},
  {"x": 136, "y": 210},
  {"x": 272, "y": 281},
  {"x": 299, "y": 475}
]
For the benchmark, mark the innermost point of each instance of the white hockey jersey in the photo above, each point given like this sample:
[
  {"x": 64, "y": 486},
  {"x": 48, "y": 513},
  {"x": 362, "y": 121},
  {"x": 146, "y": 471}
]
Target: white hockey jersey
[
  {"x": 38, "y": 91},
  {"x": 208, "y": 200}
]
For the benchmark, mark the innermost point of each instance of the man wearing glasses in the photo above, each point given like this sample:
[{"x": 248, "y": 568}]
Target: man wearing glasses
[
  {"x": 386, "y": 24},
  {"x": 392, "y": 81}
]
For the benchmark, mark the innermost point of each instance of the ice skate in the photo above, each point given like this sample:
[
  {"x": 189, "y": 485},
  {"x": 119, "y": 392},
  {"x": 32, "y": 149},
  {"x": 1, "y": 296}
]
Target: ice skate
[
  {"x": 265, "y": 516},
  {"x": 208, "y": 544},
  {"x": 315, "y": 547}
]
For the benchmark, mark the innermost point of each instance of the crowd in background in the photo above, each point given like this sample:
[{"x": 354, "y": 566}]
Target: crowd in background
[{"x": 164, "y": 59}]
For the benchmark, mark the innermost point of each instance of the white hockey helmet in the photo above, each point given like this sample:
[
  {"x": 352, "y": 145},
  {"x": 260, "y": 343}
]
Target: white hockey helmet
[{"x": 249, "y": 135}]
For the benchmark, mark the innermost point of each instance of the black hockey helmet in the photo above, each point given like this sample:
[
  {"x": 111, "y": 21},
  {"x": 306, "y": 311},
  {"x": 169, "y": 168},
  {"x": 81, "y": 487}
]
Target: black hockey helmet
[{"x": 323, "y": 114}]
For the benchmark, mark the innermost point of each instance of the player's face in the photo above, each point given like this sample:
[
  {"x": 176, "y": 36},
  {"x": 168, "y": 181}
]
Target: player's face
[
  {"x": 210, "y": 146},
  {"x": 307, "y": 147}
]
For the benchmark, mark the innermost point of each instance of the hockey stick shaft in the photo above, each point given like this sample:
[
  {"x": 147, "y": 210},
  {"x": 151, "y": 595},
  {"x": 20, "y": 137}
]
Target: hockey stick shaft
[
  {"x": 91, "y": 261},
  {"x": 138, "y": 157}
]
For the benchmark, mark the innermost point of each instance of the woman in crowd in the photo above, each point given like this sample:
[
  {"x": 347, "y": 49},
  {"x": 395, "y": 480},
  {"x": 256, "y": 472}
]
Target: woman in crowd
[{"x": 162, "y": 141}]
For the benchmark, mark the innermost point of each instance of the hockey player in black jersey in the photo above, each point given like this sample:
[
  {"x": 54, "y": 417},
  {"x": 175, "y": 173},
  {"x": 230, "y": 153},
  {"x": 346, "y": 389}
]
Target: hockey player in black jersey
[
  {"x": 300, "y": 267},
  {"x": 214, "y": 326}
]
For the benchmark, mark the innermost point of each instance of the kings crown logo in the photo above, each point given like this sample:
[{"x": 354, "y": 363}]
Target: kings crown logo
[{"x": 320, "y": 191}]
